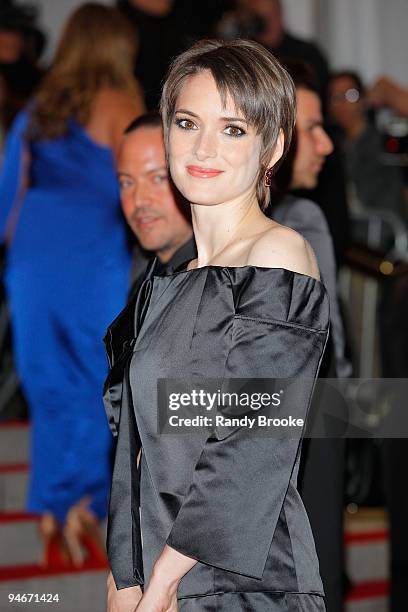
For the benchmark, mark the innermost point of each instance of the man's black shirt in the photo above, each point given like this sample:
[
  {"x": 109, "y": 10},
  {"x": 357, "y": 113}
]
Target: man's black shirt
[{"x": 141, "y": 259}]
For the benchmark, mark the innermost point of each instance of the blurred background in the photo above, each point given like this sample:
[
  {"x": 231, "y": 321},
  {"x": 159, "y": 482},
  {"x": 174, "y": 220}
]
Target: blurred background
[{"x": 55, "y": 128}]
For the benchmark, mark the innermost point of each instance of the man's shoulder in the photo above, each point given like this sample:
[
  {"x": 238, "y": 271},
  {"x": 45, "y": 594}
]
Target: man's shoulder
[
  {"x": 301, "y": 48},
  {"x": 298, "y": 212}
]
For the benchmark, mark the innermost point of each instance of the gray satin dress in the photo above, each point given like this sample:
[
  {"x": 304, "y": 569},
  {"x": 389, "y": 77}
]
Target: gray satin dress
[{"x": 227, "y": 499}]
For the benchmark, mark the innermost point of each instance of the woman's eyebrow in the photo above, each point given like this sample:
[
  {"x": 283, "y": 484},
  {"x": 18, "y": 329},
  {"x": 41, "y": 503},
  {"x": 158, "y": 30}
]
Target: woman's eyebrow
[
  {"x": 187, "y": 112},
  {"x": 234, "y": 119}
]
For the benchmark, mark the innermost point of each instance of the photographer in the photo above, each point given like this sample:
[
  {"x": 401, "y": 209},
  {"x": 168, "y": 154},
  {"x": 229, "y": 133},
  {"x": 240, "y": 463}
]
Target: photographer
[
  {"x": 263, "y": 21},
  {"x": 386, "y": 92},
  {"x": 375, "y": 184}
]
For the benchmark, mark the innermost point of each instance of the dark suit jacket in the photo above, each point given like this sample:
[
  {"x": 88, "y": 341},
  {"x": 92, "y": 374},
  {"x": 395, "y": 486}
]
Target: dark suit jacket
[{"x": 322, "y": 464}]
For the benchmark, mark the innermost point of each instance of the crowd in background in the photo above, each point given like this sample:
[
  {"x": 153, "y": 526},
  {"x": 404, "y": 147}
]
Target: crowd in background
[{"x": 67, "y": 129}]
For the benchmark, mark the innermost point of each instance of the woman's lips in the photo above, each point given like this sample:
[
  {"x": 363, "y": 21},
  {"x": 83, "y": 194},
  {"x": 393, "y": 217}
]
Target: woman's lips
[{"x": 199, "y": 172}]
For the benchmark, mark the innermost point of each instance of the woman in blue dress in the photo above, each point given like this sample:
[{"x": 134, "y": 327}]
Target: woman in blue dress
[{"x": 68, "y": 263}]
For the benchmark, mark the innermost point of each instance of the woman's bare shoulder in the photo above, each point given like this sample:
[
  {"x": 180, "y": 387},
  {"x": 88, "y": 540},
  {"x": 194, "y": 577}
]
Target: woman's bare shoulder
[
  {"x": 282, "y": 247},
  {"x": 112, "y": 111},
  {"x": 109, "y": 102}
]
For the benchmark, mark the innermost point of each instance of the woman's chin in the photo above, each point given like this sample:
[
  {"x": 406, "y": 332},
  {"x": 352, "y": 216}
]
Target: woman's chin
[{"x": 204, "y": 196}]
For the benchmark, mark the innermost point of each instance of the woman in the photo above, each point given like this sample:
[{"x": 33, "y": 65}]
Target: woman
[
  {"x": 221, "y": 521},
  {"x": 68, "y": 262}
]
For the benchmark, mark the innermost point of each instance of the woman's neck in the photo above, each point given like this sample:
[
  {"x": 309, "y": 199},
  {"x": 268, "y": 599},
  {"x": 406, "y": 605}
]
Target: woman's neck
[{"x": 217, "y": 227}]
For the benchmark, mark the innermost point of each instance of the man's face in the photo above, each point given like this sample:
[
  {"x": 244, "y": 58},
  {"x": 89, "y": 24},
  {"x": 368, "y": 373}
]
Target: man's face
[
  {"x": 148, "y": 199},
  {"x": 159, "y": 8},
  {"x": 346, "y": 105},
  {"x": 270, "y": 12},
  {"x": 313, "y": 144},
  {"x": 11, "y": 46}
]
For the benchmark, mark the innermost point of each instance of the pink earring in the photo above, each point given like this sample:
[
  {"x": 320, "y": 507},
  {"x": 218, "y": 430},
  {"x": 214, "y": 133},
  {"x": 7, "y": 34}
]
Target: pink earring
[{"x": 268, "y": 177}]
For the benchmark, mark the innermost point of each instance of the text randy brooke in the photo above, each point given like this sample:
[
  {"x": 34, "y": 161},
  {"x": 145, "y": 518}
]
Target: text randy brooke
[{"x": 244, "y": 421}]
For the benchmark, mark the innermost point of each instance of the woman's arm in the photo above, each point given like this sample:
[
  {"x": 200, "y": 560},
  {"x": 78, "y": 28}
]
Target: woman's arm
[
  {"x": 161, "y": 592},
  {"x": 386, "y": 92},
  {"x": 12, "y": 170},
  {"x": 124, "y": 600}
]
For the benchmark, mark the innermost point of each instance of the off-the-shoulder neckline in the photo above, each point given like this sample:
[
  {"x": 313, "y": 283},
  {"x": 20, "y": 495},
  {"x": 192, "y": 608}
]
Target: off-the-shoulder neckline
[{"x": 229, "y": 268}]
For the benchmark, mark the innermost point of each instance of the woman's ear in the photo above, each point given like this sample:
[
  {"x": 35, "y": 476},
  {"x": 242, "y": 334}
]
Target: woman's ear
[{"x": 278, "y": 151}]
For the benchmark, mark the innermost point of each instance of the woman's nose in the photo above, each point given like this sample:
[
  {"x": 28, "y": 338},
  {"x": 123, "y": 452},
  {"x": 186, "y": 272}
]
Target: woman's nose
[{"x": 205, "y": 146}]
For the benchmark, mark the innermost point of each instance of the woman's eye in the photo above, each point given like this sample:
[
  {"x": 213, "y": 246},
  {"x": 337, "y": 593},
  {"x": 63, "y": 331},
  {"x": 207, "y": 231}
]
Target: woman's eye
[
  {"x": 234, "y": 130},
  {"x": 186, "y": 124}
]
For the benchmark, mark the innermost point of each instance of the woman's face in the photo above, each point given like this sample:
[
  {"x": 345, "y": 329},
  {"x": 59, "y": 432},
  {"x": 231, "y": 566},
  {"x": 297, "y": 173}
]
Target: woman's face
[{"x": 214, "y": 154}]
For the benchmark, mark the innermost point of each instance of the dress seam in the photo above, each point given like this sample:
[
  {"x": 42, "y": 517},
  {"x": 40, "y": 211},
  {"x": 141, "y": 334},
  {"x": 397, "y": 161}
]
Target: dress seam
[
  {"x": 279, "y": 322},
  {"x": 246, "y": 592},
  {"x": 291, "y": 544}
]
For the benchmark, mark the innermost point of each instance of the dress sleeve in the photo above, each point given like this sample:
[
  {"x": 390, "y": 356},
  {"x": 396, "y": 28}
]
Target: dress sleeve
[
  {"x": 124, "y": 545},
  {"x": 123, "y": 533},
  {"x": 11, "y": 169},
  {"x": 123, "y": 536},
  {"x": 231, "y": 510}
]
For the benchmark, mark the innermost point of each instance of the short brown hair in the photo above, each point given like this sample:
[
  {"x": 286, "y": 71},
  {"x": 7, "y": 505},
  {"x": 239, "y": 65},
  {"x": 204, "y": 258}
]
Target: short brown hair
[{"x": 257, "y": 83}]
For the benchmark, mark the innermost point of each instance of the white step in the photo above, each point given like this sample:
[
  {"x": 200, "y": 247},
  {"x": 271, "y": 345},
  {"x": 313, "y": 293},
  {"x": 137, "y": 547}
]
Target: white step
[
  {"x": 13, "y": 487},
  {"x": 367, "y": 558},
  {"x": 367, "y": 562},
  {"x": 14, "y": 442},
  {"x": 21, "y": 550},
  {"x": 377, "y": 604},
  {"x": 20, "y": 543}
]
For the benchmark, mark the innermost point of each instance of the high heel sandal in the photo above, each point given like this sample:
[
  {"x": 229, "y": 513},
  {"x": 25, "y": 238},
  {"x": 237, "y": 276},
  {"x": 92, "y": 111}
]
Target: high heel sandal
[
  {"x": 78, "y": 542},
  {"x": 83, "y": 536},
  {"x": 54, "y": 551}
]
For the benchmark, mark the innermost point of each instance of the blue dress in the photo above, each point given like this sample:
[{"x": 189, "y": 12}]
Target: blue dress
[{"x": 66, "y": 278}]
